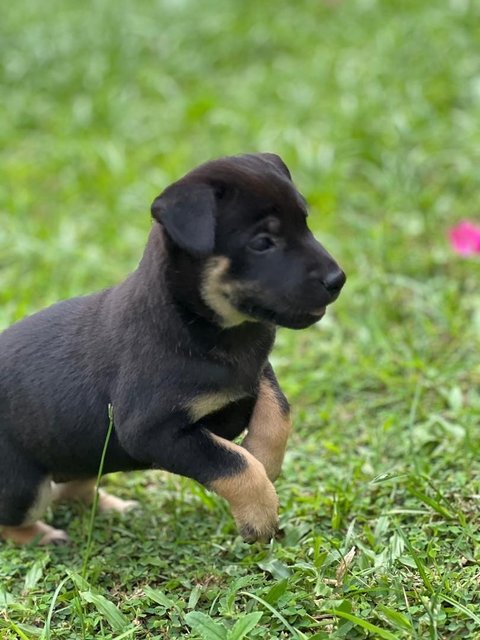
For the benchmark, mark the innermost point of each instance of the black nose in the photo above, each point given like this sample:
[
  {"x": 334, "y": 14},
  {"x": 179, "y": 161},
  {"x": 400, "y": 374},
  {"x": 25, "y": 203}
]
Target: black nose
[{"x": 334, "y": 280}]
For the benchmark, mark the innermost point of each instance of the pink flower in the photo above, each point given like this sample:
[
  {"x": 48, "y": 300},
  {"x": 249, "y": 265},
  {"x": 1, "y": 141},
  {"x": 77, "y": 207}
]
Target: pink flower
[{"x": 465, "y": 238}]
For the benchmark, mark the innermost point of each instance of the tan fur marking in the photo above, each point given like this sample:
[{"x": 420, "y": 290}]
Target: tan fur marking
[
  {"x": 208, "y": 403},
  {"x": 217, "y": 290},
  {"x": 251, "y": 496},
  {"x": 268, "y": 431},
  {"x": 84, "y": 490},
  {"x": 38, "y": 530}
]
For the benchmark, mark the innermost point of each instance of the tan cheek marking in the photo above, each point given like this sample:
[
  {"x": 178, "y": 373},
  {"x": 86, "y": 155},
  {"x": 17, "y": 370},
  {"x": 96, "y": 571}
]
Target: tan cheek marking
[
  {"x": 251, "y": 496},
  {"x": 268, "y": 431},
  {"x": 217, "y": 289}
]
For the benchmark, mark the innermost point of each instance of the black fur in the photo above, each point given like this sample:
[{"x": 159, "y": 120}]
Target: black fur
[{"x": 152, "y": 345}]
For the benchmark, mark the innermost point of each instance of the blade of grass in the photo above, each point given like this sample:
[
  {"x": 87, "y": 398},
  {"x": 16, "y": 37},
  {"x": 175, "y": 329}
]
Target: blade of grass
[
  {"x": 17, "y": 630},
  {"x": 46, "y": 630},
  {"x": 418, "y": 563},
  {"x": 431, "y": 502},
  {"x": 93, "y": 511},
  {"x": 276, "y": 613},
  {"x": 107, "y": 609},
  {"x": 244, "y": 625},
  {"x": 395, "y": 617},
  {"x": 125, "y": 635},
  {"x": 411, "y": 421},
  {"x": 368, "y": 626},
  {"x": 205, "y": 626},
  {"x": 460, "y": 607}
]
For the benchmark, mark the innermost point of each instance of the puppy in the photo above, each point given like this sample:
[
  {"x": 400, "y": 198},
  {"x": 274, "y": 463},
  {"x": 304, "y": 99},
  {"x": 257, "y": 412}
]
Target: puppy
[{"x": 179, "y": 349}]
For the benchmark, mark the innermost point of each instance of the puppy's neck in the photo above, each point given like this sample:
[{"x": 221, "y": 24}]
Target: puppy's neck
[{"x": 153, "y": 263}]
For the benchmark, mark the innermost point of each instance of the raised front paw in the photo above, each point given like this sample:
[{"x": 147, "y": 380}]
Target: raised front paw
[
  {"x": 251, "y": 495},
  {"x": 255, "y": 532}
]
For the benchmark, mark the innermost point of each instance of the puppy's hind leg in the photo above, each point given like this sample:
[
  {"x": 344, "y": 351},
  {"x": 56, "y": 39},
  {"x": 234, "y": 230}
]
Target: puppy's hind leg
[
  {"x": 38, "y": 531},
  {"x": 84, "y": 491},
  {"x": 25, "y": 494}
]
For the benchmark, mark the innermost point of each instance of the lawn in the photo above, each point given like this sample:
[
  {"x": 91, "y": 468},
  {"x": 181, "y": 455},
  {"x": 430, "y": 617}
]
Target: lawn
[{"x": 375, "y": 107}]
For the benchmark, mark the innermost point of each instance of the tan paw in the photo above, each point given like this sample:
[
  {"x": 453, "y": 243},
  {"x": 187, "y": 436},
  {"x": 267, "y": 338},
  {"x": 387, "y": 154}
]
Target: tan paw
[
  {"x": 55, "y": 536},
  {"x": 107, "y": 502},
  {"x": 260, "y": 523},
  {"x": 256, "y": 511},
  {"x": 38, "y": 532},
  {"x": 251, "y": 495}
]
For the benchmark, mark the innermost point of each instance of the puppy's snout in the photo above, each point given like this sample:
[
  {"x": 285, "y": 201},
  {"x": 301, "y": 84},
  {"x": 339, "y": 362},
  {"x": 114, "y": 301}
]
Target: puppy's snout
[{"x": 334, "y": 281}]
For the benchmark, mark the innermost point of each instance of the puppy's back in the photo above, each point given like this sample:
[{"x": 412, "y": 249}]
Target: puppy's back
[{"x": 50, "y": 355}]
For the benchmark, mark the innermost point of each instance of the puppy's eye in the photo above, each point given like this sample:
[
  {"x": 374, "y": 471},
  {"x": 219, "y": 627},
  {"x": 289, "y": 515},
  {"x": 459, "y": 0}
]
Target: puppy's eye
[
  {"x": 262, "y": 242},
  {"x": 220, "y": 190}
]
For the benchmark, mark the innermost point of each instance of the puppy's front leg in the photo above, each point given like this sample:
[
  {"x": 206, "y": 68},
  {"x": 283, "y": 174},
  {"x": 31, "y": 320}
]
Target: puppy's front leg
[
  {"x": 269, "y": 426},
  {"x": 220, "y": 465},
  {"x": 251, "y": 495}
]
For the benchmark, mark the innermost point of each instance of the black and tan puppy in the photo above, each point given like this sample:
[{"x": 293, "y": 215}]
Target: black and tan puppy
[{"x": 179, "y": 349}]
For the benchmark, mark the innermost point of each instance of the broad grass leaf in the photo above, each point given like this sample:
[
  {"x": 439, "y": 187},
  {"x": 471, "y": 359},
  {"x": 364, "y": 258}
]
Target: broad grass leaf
[
  {"x": 34, "y": 574},
  {"x": 244, "y": 625},
  {"x": 17, "y": 630},
  {"x": 235, "y": 586},
  {"x": 195, "y": 594},
  {"x": 30, "y": 631},
  {"x": 159, "y": 597},
  {"x": 112, "y": 614},
  {"x": 276, "y": 591},
  {"x": 395, "y": 617},
  {"x": 5, "y": 599},
  {"x": 205, "y": 626},
  {"x": 276, "y": 568},
  {"x": 79, "y": 581}
]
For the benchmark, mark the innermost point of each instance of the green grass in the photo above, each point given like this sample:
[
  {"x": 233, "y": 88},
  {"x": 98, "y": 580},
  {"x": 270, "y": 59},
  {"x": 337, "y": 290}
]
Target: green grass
[{"x": 375, "y": 107}]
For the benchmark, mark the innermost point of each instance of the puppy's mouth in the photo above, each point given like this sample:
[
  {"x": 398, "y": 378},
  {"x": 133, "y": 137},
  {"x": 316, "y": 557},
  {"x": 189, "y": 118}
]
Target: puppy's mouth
[
  {"x": 319, "y": 313},
  {"x": 290, "y": 320}
]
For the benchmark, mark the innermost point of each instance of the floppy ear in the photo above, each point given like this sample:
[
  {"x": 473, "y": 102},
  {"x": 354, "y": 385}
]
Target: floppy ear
[
  {"x": 187, "y": 212},
  {"x": 277, "y": 162}
]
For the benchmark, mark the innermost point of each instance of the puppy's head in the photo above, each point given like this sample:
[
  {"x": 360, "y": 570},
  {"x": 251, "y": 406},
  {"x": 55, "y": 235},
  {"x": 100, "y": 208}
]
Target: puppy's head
[{"x": 240, "y": 226}]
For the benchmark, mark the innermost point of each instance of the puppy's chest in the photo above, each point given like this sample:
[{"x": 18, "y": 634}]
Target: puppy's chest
[{"x": 237, "y": 381}]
